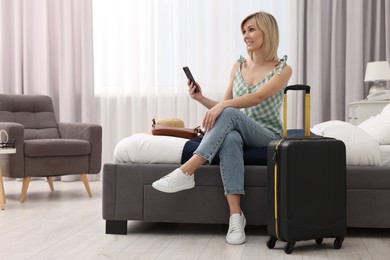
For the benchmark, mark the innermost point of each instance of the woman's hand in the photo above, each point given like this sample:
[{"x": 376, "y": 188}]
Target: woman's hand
[
  {"x": 191, "y": 90},
  {"x": 212, "y": 115}
]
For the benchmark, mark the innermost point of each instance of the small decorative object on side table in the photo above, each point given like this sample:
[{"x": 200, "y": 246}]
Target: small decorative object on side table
[{"x": 5, "y": 148}]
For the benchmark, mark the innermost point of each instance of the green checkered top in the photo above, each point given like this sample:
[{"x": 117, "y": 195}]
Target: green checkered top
[{"x": 267, "y": 113}]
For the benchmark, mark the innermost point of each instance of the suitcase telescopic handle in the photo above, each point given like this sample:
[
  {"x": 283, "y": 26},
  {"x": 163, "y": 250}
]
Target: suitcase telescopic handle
[{"x": 306, "y": 88}]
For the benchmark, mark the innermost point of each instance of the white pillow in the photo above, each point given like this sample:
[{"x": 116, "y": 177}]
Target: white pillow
[
  {"x": 361, "y": 148},
  {"x": 147, "y": 148},
  {"x": 378, "y": 127},
  {"x": 386, "y": 111},
  {"x": 319, "y": 129}
]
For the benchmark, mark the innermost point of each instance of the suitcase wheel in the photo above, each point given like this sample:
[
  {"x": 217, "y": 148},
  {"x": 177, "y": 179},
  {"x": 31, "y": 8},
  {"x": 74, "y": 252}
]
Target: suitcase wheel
[
  {"x": 271, "y": 242},
  {"x": 319, "y": 241},
  {"x": 289, "y": 247},
  {"x": 338, "y": 242}
]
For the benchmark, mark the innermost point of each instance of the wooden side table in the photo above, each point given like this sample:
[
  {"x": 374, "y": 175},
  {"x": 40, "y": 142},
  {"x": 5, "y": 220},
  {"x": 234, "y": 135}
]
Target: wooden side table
[{"x": 2, "y": 192}]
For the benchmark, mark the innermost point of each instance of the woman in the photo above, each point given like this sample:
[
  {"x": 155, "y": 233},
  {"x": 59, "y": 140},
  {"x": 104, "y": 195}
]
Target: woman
[{"x": 249, "y": 115}]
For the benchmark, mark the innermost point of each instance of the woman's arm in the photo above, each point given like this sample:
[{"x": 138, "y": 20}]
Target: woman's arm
[{"x": 275, "y": 84}]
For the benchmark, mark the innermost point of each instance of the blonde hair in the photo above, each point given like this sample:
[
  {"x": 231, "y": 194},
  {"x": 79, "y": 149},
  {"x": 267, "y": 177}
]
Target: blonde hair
[{"x": 269, "y": 26}]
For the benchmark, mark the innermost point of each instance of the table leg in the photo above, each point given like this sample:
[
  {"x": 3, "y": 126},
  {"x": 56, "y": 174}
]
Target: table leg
[{"x": 2, "y": 192}]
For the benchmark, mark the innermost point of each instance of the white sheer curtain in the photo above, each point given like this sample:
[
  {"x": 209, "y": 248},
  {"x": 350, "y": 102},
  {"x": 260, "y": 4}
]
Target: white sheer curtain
[{"x": 141, "y": 46}]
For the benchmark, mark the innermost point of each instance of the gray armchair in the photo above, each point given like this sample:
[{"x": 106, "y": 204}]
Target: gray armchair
[{"x": 45, "y": 147}]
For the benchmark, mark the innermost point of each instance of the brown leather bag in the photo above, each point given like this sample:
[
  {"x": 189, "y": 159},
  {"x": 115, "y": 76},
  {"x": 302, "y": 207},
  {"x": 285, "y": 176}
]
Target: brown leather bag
[{"x": 181, "y": 132}]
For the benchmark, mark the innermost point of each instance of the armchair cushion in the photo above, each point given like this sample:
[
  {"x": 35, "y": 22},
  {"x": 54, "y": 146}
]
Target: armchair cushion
[{"x": 56, "y": 147}]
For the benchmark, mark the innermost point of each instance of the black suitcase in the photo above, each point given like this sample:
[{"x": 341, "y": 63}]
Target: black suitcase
[{"x": 306, "y": 186}]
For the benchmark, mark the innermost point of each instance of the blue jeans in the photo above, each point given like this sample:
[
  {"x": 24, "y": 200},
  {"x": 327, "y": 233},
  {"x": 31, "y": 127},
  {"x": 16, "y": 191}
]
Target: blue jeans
[{"x": 231, "y": 132}]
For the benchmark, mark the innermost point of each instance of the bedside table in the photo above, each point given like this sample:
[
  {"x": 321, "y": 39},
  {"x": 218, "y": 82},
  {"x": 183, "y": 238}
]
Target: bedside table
[{"x": 360, "y": 111}]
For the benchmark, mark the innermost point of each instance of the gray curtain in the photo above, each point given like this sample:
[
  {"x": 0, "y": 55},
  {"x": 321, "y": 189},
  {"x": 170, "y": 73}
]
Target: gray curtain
[{"x": 336, "y": 39}]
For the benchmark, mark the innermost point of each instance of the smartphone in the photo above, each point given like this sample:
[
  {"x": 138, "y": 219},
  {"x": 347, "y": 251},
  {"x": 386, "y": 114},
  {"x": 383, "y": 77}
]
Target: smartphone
[{"x": 190, "y": 77}]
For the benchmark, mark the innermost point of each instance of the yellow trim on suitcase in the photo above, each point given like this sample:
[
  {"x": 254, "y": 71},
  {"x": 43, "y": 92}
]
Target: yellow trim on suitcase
[
  {"x": 284, "y": 115},
  {"x": 307, "y": 115},
  {"x": 276, "y": 191}
]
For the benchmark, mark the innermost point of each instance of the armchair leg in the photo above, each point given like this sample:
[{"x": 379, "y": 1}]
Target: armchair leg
[
  {"x": 83, "y": 177},
  {"x": 26, "y": 182},
  {"x": 50, "y": 181}
]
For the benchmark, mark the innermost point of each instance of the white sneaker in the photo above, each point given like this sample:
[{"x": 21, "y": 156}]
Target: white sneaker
[
  {"x": 236, "y": 232},
  {"x": 174, "y": 182}
]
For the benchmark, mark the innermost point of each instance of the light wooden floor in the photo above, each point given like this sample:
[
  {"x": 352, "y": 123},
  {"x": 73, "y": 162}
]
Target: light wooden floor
[{"x": 66, "y": 224}]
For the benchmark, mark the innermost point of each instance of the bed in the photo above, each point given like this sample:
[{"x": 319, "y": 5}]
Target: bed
[{"x": 128, "y": 194}]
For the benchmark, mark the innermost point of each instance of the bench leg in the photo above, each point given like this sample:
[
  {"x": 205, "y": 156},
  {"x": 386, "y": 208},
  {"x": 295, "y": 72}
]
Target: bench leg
[{"x": 117, "y": 227}]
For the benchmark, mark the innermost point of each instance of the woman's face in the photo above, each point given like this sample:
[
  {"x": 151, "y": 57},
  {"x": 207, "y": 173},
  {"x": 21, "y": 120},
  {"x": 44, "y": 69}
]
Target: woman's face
[{"x": 253, "y": 36}]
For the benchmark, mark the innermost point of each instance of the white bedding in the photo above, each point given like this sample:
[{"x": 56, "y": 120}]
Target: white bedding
[
  {"x": 361, "y": 148},
  {"x": 366, "y": 144},
  {"x": 147, "y": 148},
  {"x": 385, "y": 155}
]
